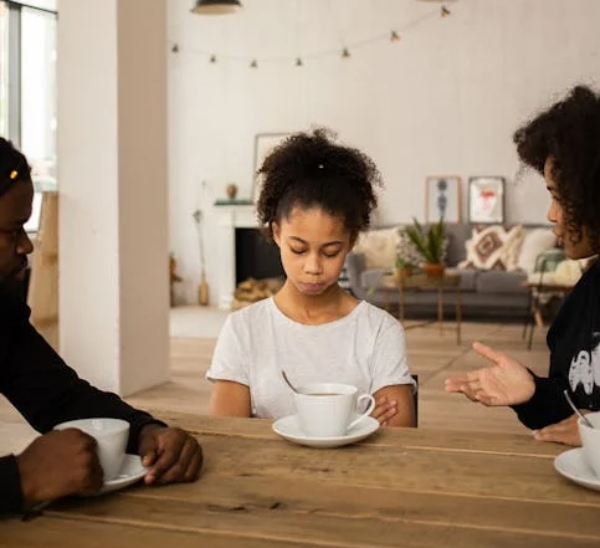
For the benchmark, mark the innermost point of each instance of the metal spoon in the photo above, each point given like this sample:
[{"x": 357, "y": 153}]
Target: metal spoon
[
  {"x": 579, "y": 414},
  {"x": 288, "y": 382}
]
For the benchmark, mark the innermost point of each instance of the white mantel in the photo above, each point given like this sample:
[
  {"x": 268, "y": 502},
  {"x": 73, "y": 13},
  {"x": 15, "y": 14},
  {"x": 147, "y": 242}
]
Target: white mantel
[{"x": 228, "y": 219}]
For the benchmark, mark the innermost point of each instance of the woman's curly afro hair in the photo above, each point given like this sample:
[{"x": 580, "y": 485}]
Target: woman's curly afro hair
[
  {"x": 309, "y": 170},
  {"x": 569, "y": 134}
]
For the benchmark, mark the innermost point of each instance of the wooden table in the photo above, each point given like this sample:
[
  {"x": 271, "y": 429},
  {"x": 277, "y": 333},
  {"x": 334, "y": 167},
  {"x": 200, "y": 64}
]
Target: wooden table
[{"x": 402, "y": 487}]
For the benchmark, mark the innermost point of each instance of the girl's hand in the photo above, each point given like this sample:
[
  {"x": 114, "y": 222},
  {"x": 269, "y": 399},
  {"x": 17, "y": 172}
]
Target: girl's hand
[
  {"x": 384, "y": 410},
  {"x": 506, "y": 382},
  {"x": 566, "y": 431}
]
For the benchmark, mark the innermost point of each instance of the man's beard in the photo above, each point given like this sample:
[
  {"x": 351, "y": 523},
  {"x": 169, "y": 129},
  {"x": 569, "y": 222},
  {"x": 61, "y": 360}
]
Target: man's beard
[{"x": 13, "y": 287}]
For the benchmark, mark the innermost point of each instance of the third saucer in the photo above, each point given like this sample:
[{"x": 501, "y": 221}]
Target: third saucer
[
  {"x": 289, "y": 428},
  {"x": 572, "y": 465}
]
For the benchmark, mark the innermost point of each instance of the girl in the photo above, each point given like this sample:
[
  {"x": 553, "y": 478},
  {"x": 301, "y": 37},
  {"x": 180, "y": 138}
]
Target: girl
[
  {"x": 563, "y": 144},
  {"x": 316, "y": 196}
]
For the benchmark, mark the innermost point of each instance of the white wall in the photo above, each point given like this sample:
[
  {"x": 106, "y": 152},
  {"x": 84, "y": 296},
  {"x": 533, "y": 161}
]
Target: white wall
[{"x": 444, "y": 100}]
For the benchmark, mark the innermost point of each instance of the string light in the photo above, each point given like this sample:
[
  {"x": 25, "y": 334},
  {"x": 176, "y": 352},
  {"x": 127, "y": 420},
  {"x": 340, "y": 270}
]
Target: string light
[{"x": 394, "y": 35}]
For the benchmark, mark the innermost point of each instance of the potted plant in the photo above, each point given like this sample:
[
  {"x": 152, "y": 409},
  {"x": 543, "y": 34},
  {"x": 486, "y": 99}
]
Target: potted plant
[
  {"x": 408, "y": 257},
  {"x": 431, "y": 245}
]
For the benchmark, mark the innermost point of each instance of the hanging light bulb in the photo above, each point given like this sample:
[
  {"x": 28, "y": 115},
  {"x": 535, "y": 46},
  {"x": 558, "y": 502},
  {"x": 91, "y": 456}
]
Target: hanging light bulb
[
  {"x": 394, "y": 36},
  {"x": 445, "y": 11},
  {"x": 345, "y": 53},
  {"x": 299, "y": 62},
  {"x": 254, "y": 63},
  {"x": 216, "y": 7},
  {"x": 213, "y": 58}
]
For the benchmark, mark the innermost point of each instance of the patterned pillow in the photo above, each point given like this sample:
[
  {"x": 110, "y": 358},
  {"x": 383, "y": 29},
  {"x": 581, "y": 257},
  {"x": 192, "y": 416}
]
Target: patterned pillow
[{"x": 493, "y": 247}]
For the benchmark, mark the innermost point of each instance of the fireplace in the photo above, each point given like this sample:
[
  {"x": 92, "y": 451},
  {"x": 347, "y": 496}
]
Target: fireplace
[
  {"x": 255, "y": 257},
  {"x": 242, "y": 252}
]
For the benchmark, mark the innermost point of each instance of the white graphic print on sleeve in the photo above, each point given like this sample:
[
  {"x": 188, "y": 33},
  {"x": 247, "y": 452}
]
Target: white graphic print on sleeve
[{"x": 585, "y": 370}]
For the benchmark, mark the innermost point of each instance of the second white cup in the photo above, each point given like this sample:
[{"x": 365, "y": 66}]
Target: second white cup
[{"x": 327, "y": 409}]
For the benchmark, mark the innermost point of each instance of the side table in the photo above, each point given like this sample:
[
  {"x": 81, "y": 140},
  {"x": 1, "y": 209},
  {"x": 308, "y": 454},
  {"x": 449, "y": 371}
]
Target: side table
[{"x": 421, "y": 282}]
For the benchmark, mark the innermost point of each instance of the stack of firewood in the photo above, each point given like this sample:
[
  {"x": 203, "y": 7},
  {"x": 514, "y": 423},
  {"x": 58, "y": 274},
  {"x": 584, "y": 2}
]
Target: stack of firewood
[{"x": 251, "y": 290}]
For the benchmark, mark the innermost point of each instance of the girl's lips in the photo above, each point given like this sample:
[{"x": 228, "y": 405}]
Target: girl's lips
[{"x": 312, "y": 288}]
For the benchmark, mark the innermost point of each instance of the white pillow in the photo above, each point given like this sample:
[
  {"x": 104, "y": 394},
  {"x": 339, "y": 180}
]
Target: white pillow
[
  {"x": 536, "y": 241},
  {"x": 380, "y": 247}
]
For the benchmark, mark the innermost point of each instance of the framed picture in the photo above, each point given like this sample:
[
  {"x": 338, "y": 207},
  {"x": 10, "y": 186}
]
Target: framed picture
[
  {"x": 263, "y": 144},
  {"x": 486, "y": 200},
  {"x": 442, "y": 198}
]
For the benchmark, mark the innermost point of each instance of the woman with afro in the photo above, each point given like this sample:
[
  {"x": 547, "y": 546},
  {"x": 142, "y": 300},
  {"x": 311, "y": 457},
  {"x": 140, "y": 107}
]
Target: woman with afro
[
  {"x": 562, "y": 144},
  {"x": 316, "y": 196}
]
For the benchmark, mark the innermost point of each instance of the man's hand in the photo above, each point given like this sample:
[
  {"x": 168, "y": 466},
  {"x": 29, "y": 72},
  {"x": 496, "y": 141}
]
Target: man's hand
[
  {"x": 170, "y": 453},
  {"x": 506, "y": 382},
  {"x": 566, "y": 431},
  {"x": 58, "y": 464}
]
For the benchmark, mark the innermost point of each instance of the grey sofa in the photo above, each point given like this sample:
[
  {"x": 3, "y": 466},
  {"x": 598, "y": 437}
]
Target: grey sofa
[{"x": 491, "y": 293}]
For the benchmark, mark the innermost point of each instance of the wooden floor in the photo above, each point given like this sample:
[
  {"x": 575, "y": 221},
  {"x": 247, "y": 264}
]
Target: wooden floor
[{"x": 431, "y": 355}]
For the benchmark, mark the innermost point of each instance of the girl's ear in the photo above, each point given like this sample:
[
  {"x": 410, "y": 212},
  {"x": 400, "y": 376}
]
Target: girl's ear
[
  {"x": 276, "y": 231},
  {"x": 353, "y": 238}
]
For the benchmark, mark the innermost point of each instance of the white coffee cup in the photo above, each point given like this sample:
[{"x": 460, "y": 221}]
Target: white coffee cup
[
  {"x": 590, "y": 439},
  {"x": 111, "y": 436},
  {"x": 327, "y": 409}
]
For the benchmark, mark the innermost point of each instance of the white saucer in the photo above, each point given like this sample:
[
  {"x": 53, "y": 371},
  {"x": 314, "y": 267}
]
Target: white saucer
[
  {"x": 572, "y": 465},
  {"x": 131, "y": 471},
  {"x": 289, "y": 428}
]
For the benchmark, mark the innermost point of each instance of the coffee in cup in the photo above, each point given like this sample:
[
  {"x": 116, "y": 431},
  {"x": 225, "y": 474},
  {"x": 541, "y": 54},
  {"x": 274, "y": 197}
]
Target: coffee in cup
[
  {"x": 329, "y": 409},
  {"x": 111, "y": 437}
]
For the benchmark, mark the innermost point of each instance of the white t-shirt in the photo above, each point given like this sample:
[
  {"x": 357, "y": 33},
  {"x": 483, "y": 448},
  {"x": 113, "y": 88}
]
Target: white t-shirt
[{"x": 366, "y": 348}]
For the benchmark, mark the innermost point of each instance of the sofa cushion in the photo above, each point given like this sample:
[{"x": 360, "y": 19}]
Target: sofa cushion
[
  {"x": 379, "y": 246},
  {"x": 372, "y": 278},
  {"x": 456, "y": 236},
  {"x": 535, "y": 242},
  {"x": 495, "y": 281},
  {"x": 493, "y": 247},
  {"x": 468, "y": 277}
]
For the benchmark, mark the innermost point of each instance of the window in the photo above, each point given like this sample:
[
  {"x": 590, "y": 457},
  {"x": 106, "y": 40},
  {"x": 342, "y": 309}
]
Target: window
[{"x": 28, "y": 84}]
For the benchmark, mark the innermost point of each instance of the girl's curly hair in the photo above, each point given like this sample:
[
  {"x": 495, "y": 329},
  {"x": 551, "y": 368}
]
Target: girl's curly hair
[
  {"x": 310, "y": 170},
  {"x": 569, "y": 134}
]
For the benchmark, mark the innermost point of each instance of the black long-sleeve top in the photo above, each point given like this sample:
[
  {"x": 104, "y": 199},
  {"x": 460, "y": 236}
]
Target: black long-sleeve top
[
  {"x": 36, "y": 380},
  {"x": 574, "y": 343}
]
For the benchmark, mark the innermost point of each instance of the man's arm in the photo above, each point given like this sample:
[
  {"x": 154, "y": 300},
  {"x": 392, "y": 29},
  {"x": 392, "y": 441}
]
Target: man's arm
[
  {"x": 47, "y": 392},
  {"x": 10, "y": 485}
]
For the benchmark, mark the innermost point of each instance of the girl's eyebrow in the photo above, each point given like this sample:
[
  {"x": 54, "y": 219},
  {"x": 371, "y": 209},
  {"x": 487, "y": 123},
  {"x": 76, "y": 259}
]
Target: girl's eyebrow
[{"x": 326, "y": 244}]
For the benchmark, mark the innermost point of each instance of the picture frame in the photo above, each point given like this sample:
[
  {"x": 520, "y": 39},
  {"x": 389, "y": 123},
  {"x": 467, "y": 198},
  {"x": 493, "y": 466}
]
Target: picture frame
[
  {"x": 443, "y": 198},
  {"x": 263, "y": 144},
  {"x": 486, "y": 200}
]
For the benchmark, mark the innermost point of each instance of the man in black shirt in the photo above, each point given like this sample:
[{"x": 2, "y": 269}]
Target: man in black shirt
[
  {"x": 563, "y": 144},
  {"x": 47, "y": 392}
]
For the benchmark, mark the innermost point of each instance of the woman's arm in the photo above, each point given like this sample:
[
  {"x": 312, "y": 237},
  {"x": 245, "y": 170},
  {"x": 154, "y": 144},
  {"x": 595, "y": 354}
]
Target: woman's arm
[
  {"x": 402, "y": 394},
  {"x": 230, "y": 399}
]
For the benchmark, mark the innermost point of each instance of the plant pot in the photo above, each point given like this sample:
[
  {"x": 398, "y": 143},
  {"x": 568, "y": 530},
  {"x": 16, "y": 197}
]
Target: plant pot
[
  {"x": 434, "y": 270},
  {"x": 404, "y": 272}
]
